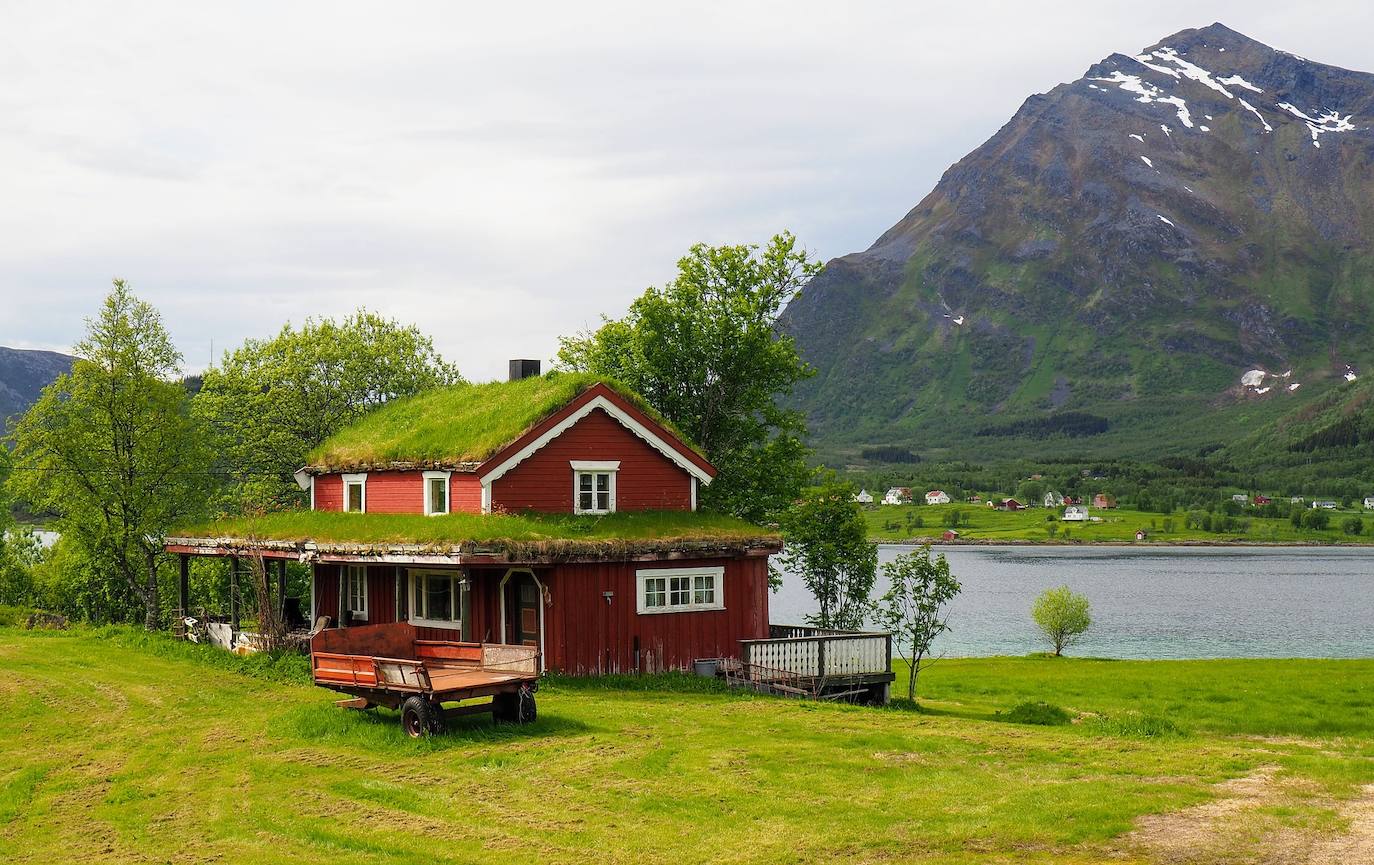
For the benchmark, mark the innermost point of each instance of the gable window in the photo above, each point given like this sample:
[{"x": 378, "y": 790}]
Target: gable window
[
  {"x": 436, "y": 493},
  {"x": 594, "y": 486},
  {"x": 355, "y": 493},
  {"x": 439, "y": 599},
  {"x": 680, "y": 590},
  {"x": 355, "y": 591}
]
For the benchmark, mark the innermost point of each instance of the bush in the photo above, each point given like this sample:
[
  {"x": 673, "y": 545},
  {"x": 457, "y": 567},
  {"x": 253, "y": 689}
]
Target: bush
[
  {"x": 14, "y": 617},
  {"x": 1136, "y": 725},
  {"x": 1316, "y": 519},
  {"x": 1352, "y": 526},
  {"x": 1038, "y": 713}
]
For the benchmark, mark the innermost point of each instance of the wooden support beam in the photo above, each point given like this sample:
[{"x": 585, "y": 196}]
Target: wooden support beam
[
  {"x": 281, "y": 588},
  {"x": 184, "y": 585},
  {"x": 234, "y": 592},
  {"x": 341, "y": 621}
]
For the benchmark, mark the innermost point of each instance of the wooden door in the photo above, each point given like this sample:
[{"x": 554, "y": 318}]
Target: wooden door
[{"x": 526, "y": 611}]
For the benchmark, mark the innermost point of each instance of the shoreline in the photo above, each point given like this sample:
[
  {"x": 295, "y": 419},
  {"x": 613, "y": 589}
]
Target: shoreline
[{"x": 1024, "y": 542}]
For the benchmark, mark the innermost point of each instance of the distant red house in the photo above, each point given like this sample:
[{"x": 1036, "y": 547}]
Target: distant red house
[
  {"x": 1262, "y": 500},
  {"x": 556, "y": 444},
  {"x": 950, "y": 535},
  {"x": 1104, "y": 501},
  {"x": 1009, "y": 505}
]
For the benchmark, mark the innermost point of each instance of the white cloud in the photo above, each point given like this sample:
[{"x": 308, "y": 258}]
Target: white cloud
[{"x": 500, "y": 176}]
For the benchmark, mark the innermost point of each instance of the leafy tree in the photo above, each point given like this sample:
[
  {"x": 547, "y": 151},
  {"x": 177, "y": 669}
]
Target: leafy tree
[
  {"x": 112, "y": 451},
  {"x": 1316, "y": 519},
  {"x": 704, "y": 351},
  {"x": 914, "y": 609},
  {"x": 1352, "y": 526},
  {"x": 270, "y": 402},
  {"x": 1063, "y": 616},
  {"x": 826, "y": 544}
]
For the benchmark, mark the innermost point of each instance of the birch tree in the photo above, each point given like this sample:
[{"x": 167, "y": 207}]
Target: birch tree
[{"x": 916, "y": 607}]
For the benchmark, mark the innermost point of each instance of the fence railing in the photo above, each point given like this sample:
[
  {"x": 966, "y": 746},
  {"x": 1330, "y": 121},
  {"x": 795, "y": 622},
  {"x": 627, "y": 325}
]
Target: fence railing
[{"x": 820, "y": 653}]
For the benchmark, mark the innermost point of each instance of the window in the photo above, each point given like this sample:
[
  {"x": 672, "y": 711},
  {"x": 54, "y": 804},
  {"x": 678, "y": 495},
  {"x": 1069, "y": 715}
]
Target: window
[
  {"x": 439, "y": 599},
  {"x": 355, "y": 590},
  {"x": 594, "y": 487},
  {"x": 436, "y": 492},
  {"x": 355, "y": 493},
  {"x": 680, "y": 590}
]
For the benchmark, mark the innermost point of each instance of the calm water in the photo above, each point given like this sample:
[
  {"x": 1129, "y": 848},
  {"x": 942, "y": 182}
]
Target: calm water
[{"x": 1155, "y": 602}]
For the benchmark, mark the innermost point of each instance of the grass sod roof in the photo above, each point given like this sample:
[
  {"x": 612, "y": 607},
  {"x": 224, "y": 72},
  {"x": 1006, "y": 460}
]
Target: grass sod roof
[
  {"x": 460, "y": 424},
  {"x": 528, "y": 536}
]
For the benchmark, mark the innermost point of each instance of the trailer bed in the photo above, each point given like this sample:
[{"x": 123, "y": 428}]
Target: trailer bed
[{"x": 385, "y": 665}]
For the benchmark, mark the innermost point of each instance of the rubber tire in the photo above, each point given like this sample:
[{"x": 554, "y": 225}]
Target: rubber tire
[
  {"x": 420, "y": 717},
  {"x": 525, "y": 710}
]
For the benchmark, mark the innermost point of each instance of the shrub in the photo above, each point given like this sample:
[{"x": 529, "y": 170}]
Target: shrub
[
  {"x": 1352, "y": 526},
  {"x": 1039, "y": 713},
  {"x": 1136, "y": 725},
  {"x": 1062, "y": 616}
]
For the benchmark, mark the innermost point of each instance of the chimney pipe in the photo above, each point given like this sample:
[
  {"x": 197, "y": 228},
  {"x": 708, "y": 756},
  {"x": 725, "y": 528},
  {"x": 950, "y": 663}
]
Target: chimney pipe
[{"x": 523, "y": 369}]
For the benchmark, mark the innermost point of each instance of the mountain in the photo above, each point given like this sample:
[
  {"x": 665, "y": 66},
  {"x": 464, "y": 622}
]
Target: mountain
[
  {"x": 1169, "y": 251},
  {"x": 23, "y": 374}
]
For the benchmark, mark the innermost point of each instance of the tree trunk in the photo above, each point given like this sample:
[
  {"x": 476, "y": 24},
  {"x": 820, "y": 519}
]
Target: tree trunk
[
  {"x": 152, "y": 611},
  {"x": 915, "y": 671}
]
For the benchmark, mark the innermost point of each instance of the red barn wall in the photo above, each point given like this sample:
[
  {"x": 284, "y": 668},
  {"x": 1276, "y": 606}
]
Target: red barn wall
[
  {"x": 583, "y": 634},
  {"x": 465, "y": 493},
  {"x": 328, "y": 493},
  {"x": 647, "y": 480}
]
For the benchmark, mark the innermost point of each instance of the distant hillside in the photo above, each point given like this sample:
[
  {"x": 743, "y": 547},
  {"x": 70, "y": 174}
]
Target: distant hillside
[
  {"x": 23, "y": 375},
  {"x": 1167, "y": 253}
]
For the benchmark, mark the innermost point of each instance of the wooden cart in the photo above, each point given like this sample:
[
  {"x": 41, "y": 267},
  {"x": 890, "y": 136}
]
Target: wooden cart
[{"x": 388, "y": 665}]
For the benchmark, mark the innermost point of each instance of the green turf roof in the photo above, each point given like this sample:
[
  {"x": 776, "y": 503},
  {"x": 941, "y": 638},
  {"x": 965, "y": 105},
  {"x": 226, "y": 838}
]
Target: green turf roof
[
  {"x": 532, "y": 535},
  {"x": 465, "y": 423}
]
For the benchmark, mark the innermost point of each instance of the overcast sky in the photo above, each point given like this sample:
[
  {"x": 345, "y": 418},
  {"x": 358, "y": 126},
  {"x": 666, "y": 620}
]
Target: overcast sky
[{"x": 500, "y": 177}]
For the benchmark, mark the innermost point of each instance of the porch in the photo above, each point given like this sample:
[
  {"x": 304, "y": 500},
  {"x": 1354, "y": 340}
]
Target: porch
[{"x": 801, "y": 661}]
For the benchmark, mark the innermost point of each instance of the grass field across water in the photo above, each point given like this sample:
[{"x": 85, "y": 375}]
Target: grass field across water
[{"x": 128, "y": 748}]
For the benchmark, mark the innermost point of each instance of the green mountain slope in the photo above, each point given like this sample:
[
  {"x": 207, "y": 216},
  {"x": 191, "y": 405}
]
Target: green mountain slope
[{"x": 1101, "y": 275}]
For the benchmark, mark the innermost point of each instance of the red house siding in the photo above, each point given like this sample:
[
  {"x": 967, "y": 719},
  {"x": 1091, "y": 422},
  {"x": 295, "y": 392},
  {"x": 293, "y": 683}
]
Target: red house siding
[
  {"x": 647, "y": 480},
  {"x": 328, "y": 492},
  {"x": 465, "y": 492},
  {"x": 583, "y": 634}
]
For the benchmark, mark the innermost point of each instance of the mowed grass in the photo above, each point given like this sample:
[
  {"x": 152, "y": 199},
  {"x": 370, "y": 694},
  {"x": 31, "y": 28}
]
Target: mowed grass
[
  {"x": 897, "y": 523},
  {"x": 123, "y": 749}
]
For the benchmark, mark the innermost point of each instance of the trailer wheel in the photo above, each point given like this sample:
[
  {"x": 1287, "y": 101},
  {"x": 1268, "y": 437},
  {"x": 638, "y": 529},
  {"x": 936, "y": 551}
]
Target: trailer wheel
[
  {"x": 419, "y": 717},
  {"x": 525, "y": 710}
]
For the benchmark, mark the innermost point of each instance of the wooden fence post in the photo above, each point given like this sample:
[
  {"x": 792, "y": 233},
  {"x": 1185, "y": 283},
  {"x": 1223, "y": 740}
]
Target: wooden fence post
[
  {"x": 184, "y": 585},
  {"x": 820, "y": 657},
  {"x": 281, "y": 588}
]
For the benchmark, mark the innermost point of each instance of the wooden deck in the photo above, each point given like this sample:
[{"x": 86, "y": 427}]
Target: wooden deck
[{"x": 800, "y": 661}]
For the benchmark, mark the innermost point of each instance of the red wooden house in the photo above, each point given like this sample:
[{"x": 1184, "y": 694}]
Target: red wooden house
[{"x": 555, "y": 511}]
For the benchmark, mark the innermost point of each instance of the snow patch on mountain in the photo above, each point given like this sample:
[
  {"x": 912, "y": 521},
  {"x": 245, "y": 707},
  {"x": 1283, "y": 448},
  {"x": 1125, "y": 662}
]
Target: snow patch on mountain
[
  {"x": 1237, "y": 81},
  {"x": 1331, "y": 121},
  {"x": 1148, "y": 93}
]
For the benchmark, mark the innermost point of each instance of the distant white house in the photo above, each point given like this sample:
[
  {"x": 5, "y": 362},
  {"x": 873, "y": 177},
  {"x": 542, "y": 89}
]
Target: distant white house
[
  {"x": 898, "y": 496},
  {"x": 1296, "y": 500},
  {"x": 1076, "y": 514},
  {"x": 937, "y": 497},
  {"x": 1241, "y": 497},
  {"x": 1324, "y": 505},
  {"x": 1053, "y": 500},
  {"x": 1369, "y": 503},
  {"x": 864, "y": 497}
]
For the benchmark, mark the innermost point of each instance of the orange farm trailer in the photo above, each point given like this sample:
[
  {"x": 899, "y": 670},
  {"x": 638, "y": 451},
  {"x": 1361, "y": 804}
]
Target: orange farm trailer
[{"x": 388, "y": 665}]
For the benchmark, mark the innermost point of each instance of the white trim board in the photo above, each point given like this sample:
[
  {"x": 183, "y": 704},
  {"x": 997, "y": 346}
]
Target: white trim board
[{"x": 610, "y": 408}]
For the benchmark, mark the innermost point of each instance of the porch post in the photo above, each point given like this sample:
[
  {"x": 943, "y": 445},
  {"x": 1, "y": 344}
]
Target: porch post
[
  {"x": 184, "y": 585},
  {"x": 234, "y": 592},
  {"x": 281, "y": 588},
  {"x": 343, "y": 602}
]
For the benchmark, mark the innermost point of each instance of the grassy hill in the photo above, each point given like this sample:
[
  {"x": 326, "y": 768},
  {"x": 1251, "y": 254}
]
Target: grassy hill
[{"x": 128, "y": 748}]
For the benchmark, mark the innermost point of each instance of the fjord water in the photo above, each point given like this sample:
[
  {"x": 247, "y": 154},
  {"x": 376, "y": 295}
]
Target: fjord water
[{"x": 1154, "y": 602}]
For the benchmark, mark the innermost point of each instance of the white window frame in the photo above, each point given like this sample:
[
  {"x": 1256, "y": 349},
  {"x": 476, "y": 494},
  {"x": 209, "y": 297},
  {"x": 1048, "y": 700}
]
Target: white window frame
[
  {"x": 610, "y": 468},
  {"x": 354, "y": 479},
  {"x": 352, "y": 572},
  {"x": 643, "y": 576},
  {"x": 460, "y": 583},
  {"x": 448, "y": 493}
]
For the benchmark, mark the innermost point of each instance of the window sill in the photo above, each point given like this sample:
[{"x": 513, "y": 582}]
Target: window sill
[{"x": 684, "y": 608}]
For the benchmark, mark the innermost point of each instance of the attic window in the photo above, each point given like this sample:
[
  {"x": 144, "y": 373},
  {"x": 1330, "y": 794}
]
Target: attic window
[
  {"x": 594, "y": 486},
  {"x": 436, "y": 493},
  {"x": 355, "y": 493}
]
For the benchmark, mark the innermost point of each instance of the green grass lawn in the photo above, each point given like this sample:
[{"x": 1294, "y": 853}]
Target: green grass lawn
[
  {"x": 121, "y": 748},
  {"x": 897, "y": 523}
]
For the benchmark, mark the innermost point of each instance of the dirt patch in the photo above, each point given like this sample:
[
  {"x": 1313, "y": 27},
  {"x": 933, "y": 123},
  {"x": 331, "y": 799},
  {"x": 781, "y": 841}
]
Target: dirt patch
[{"x": 1262, "y": 818}]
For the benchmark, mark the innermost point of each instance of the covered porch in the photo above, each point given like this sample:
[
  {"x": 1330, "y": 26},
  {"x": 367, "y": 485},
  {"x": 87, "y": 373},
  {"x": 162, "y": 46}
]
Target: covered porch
[{"x": 802, "y": 661}]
